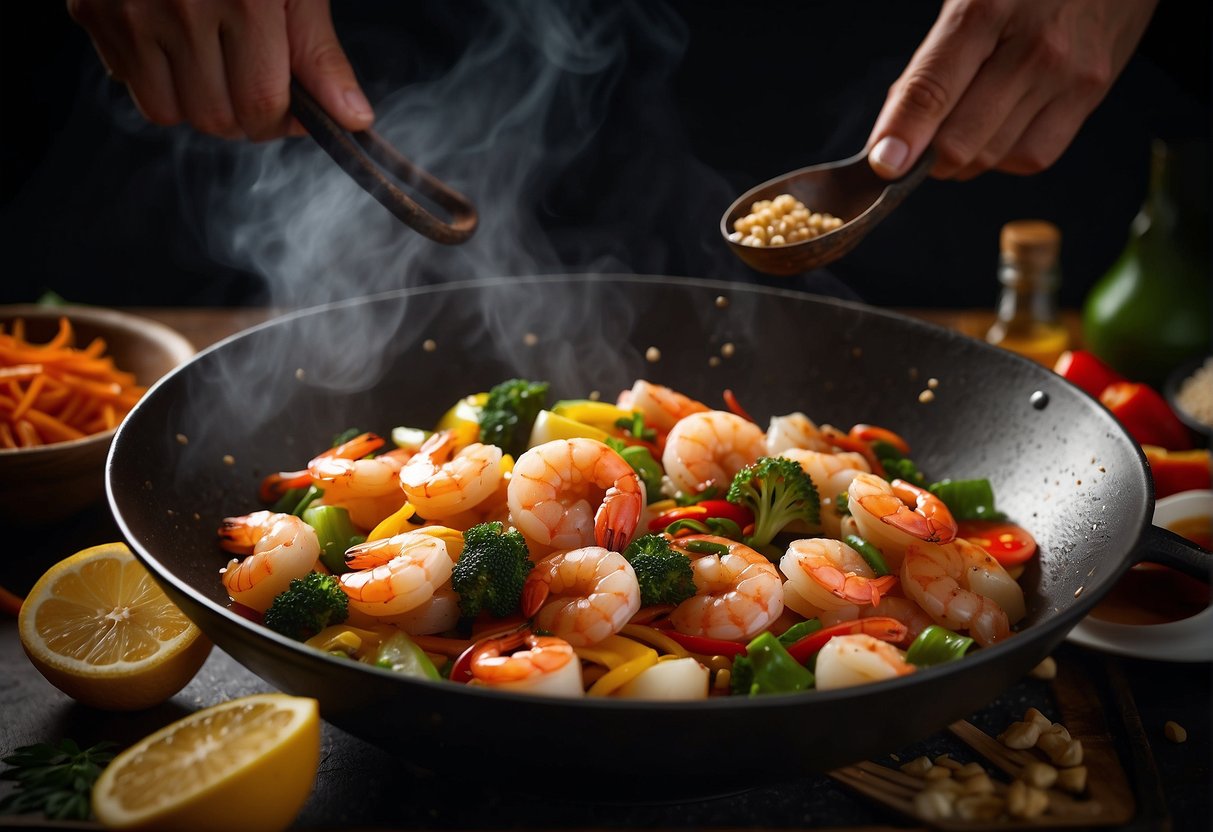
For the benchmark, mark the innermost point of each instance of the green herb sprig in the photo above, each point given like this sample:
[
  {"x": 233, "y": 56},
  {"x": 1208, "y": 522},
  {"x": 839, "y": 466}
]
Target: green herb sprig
[{"x": 55, "y": 779}]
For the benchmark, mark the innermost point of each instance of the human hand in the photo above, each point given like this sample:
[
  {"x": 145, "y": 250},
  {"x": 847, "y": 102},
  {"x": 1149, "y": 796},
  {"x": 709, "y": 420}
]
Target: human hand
[
  {"x": 224, "y": 66},
  {"x": 1004, "y": 84}
]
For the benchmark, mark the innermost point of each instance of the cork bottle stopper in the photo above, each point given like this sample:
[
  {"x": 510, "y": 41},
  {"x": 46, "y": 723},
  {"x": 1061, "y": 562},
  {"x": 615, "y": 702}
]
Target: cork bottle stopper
[{"x": 1031, "y": 241}]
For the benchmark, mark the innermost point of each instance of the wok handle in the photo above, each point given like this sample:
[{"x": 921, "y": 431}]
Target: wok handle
[
  {"x": 375, "y": 165},
  {"x": 1159, "y": 545}
]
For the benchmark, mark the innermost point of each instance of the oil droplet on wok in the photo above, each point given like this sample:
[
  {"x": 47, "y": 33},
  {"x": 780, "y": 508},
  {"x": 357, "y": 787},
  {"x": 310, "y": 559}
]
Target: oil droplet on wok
[{"x": 1039, "y": 400}]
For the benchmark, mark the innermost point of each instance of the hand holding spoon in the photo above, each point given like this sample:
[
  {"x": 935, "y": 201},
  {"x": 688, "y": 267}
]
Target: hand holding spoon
[{"x": 849, "y": 189}]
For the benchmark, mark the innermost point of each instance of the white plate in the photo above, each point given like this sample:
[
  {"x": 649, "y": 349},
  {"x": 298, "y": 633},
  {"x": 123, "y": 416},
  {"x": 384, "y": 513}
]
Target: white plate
[{"x": 1187, "y": 640}]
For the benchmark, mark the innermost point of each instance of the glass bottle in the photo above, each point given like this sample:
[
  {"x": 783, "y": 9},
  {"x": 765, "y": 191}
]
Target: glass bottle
[
  {"x": 1152, "y": 311},
  {"x": 1028, "y": 270}
]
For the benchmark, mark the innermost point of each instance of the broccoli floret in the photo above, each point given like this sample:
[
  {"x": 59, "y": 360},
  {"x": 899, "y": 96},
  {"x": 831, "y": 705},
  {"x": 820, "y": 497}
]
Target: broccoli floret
[
  {"x": 777, "y": 491},
  {"x": 509, "y": 413},
  {"x": 308, "y": 605},
  {"x": 664, "y": 574},
  {"x": 491, "y": 571}
]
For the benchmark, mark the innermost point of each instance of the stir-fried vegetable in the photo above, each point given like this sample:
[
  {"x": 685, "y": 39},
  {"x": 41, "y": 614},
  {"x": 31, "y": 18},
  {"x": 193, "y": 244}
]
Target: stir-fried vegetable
[
  {"x": 308, "y": 606},
  {"x": 491, "y": 571},
  {"x": 937, "y": 645},
  {"x": 767, "y": 667},
  {"x": 663, "y": 573},
  {"x": 778, "y": 492},
  {"x": 509, "y": 412}
]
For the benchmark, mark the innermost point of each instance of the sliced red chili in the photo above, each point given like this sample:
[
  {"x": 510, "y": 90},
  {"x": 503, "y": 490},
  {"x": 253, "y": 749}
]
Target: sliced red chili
[
  {"x": 849, "y": 443},
  {"x": 734, "y": 406},
  {"x": 877, "y": 626}
]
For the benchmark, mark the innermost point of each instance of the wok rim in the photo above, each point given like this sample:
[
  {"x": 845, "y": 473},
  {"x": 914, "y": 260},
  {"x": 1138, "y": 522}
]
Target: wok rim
[{"x": 1026, "y": 640}]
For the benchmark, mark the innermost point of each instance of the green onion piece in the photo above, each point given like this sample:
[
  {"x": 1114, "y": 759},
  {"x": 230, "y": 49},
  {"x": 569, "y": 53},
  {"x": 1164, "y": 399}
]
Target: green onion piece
[
  {"x": 311, "y": 495},
  {"x": 799, "y": 630},
  {"x": 869, "y": 553},
  {"x": 707, "y": 547},
  {"x": 724, "y": 527},
  {"x": 968, "y": 499},
  {"x": 937, "y": 645},
  {"x": 687, "y": 523},
  {"x": 336, "y": 534}
]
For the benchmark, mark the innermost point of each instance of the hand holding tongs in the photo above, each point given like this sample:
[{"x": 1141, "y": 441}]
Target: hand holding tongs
[{"x": 372, "y": 163}]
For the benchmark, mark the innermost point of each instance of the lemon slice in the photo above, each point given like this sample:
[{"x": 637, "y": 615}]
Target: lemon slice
[
  {"x": 102, "y": 631},
  {"x": 247, "y": 764}
]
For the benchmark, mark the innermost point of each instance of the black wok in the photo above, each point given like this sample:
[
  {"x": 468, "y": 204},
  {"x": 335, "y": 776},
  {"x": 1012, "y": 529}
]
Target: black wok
[{"x": 195, "y": 448}]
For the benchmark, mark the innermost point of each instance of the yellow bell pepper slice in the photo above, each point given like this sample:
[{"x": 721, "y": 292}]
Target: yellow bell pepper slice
[
  {"x": 550, "y": 426},
  {"x": 464, "y": 419},
  {"x": 396, "y": 523},
  {"x": 619, "y": 676},
  {"x": 602, "y": 415}
]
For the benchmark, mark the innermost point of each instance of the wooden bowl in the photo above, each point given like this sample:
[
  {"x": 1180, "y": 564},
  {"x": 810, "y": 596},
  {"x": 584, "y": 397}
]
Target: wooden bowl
[{"x": 52, "y": 482}]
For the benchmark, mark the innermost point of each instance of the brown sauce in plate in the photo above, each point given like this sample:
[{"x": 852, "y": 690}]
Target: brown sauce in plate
[{"x": 1153, "y": 594}]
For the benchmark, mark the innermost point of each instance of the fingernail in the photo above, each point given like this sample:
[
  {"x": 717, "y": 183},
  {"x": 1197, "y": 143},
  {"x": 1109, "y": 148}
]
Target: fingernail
[
  {"x": 356, "y": 101},
  {"x": 889, "y": 154}
]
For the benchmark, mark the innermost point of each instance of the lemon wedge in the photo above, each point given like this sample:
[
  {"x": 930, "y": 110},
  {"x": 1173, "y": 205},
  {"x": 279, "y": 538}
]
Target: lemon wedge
[
  {"x": 549, "y": 425},
  {"x": 100, "y": 629},
  {"x": 247, "y": 764}
]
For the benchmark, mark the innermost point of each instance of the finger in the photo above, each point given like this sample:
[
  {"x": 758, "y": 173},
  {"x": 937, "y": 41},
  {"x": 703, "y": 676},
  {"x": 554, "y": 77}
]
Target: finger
[
  {"x": 932, "y": 83},
  {"x": 152, "y": 87},
  {"x": 257, "y": 61},
  {"x": 319, "y": 63},
  {"x": 1046, "y": 138},
  {"x": 200, "y": 80},
  {"x": 1005, "y": 137}
]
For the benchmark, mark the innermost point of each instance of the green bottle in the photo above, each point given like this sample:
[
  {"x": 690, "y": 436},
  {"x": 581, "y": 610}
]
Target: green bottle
[{"x": 1153, "y": 310}]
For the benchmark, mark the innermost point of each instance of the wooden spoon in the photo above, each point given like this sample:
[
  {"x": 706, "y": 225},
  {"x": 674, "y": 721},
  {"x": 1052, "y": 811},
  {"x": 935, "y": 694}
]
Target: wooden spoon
[{"x": 849, "y": 189}]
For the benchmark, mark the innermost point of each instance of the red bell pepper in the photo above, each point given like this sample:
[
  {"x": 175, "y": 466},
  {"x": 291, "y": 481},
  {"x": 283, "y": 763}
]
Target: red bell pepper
[
  {"x": 702, "y": 510},
  {"x": 1085, "y": 371},
  {"x": 877, "y": 626},
  {"x": 873, "y": 433},
  {"x": 707, "y": 646},
  {"x": 1145, "y": 415},
  {"x": 1176, "y": 471}
]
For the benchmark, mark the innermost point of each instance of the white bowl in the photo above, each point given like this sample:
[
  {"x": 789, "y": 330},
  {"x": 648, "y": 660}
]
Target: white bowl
[{"x": 1187, "y": 640}]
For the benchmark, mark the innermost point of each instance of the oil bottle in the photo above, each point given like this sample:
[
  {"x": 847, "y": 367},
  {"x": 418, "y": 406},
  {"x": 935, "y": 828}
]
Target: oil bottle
[{"x": 1030, "y": 275}]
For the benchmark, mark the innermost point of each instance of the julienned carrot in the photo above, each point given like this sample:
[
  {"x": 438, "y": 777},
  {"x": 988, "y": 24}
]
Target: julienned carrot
[{"x": 54, "y": 392}]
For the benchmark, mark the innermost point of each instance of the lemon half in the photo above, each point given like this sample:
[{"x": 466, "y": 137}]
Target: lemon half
[
  {"x": 100, "y": 629},
  {"x": 248, "y": 764}
]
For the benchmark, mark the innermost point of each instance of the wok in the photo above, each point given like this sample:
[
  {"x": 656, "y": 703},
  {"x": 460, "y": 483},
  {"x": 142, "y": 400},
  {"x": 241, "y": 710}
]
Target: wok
[{"x": 194, "y": 450}]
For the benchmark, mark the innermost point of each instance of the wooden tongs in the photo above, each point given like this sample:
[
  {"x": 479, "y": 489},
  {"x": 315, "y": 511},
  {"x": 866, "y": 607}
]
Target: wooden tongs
[{"x": 377, "y": 167}]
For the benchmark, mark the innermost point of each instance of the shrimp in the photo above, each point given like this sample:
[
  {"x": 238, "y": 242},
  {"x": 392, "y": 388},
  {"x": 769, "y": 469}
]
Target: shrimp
[
  {"x": 832, "y": 474},
  {"x": 441, "y": 482},
  {"x": 900, "y": 609},
  {"x": 829, "y": 575},
  {"x": 369, "y": 489},
  {"x": 582, "y": 595},
  {"x": 794, "y": 430},
  {"x": 569, "y": 493},
  {"x": 280, "y": 548},
  {"x": 885, "y": 519},
  {"x": 396, "y": 574},
  {"x": 856, "y": 660},
  {"x": 938, "y": 578},
  {"x": 437, "y": 615},
  {"x": 710, "y": 447},
  {"x": 547, "y": 666},
  {"x": 276, "y": 485},
  {"x": 738, "y": 594},
  {"x": 986, "y": 576},
  {"x": 661, "y": 406}
]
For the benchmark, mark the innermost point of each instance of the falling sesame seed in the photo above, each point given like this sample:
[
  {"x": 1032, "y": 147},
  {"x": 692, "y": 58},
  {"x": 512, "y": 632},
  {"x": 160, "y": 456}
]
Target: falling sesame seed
[
  {"x": 530, "y": 339},
  {"x": 926, "y": 396},
  {"x": 652, "y": 355},
  {"x": 429, "y": 345},
  {"x": 913, "y": 373},
  {"x": 197, "y": 516},
  {"x": 728, "y": 349},
  {"x": 299, "y": 374},
  {"x": 932, "y": 383},
  {"x": 182, "y": 439},
  {"x": 595, "y": 395},
  {"x": 713, "y": 360},
  {"x": 228, "y": 459},
  {"x": 856, "y": 352},
  {"x": 721, "y": 302}
]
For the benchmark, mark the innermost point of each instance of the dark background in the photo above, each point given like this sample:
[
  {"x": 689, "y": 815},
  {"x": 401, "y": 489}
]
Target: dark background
[{"x": 710, "y": 100}]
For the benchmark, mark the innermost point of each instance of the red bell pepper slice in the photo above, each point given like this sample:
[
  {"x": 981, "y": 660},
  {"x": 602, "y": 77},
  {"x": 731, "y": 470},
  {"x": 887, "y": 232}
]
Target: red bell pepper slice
[
  {"x": 847, "y": 442},
  {"x": 1146, "y": 415},
  {"x": 873, "y": 433},
  {"x": 877, "y": 626},
  {"x": 1176, "y": 471},
  {"x": 1085, "y": 371},
  {"x": 702, "y": 510},
  {"x": 707, "y": 646}
]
